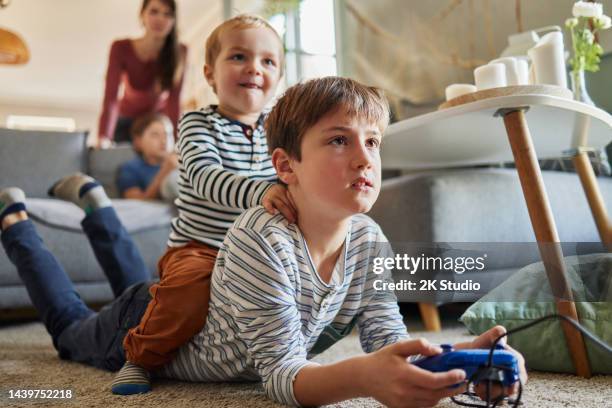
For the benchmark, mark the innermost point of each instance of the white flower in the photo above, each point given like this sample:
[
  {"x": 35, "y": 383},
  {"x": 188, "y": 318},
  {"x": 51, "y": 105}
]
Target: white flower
[
  {"x": 571, "y": 22},
  {"x": 586, "y": 9},
  {"x": 604, "y": 22}
]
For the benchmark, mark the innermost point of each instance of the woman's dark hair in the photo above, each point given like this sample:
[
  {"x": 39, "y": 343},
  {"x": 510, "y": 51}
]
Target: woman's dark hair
[{"x": 169, "y": 55}]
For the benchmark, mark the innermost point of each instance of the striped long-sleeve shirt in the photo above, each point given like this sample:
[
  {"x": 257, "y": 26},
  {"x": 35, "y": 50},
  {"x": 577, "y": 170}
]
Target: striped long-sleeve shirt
[
  {"x": 270, "y": 311},
  {"x": 221, "y": 173}
]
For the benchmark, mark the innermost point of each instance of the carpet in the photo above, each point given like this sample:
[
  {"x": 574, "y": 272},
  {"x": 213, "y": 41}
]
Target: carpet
[{"x": 28, "y": 360}]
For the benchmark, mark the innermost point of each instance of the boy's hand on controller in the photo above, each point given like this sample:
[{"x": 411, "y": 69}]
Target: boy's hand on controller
[
  {"x": 485, "y": 341},
  {"x": 276, "y": 199},
  {"x": 393, "y": 381}
]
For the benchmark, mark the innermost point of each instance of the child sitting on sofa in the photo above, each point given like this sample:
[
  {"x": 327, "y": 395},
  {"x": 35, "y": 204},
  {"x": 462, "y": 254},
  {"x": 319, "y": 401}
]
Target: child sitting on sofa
[
  {"x": 152, "y": 174},
  {"x": 280, "y": 292}
]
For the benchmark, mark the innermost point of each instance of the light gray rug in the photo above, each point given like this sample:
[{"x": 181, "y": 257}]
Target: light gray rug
[{"x": 28, "y": 360}]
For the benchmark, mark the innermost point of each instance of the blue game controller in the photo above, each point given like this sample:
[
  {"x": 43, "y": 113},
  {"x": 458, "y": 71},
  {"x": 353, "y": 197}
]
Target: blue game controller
[{"x": 503, "y": 369}]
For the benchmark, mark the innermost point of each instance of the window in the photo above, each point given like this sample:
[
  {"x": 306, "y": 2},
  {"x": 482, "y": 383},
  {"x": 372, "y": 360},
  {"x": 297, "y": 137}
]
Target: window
[
  {"x": 40, "y": 123},
  {"x": 309, "y": 34}
]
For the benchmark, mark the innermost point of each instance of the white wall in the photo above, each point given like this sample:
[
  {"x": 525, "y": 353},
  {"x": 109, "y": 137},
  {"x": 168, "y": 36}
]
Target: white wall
[
  {"x": 84, "y": 119},
  {"x": 420, "y": 47},
  {"x": 196, "y": 92},
  {"x": 69, "y": 42}
]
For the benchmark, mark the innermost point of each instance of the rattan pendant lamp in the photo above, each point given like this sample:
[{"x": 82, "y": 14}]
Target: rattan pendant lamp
[{"x": 13, "y": 49}]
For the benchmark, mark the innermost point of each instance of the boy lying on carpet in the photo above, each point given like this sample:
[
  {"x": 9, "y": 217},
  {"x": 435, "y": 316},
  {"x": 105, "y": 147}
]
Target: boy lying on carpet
[{"x": 279, "y": 290}]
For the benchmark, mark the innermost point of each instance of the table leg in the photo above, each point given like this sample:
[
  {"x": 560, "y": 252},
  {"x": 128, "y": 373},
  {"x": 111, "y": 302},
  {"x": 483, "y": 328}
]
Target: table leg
[
  {"x": 545, "y": 231},
  {"x": 430, "y": 316},
  {"x": 596, "y": 202}
]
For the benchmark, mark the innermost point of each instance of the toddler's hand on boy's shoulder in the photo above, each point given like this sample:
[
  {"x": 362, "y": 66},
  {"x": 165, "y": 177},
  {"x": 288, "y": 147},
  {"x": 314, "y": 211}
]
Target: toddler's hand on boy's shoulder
[
  {"x": 392, "y": 380},
  {"x": 278, "y": 198}
]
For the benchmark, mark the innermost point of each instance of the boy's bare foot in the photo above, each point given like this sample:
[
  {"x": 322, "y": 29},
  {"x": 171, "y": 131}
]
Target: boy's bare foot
[
  {"x": 12, "y": 207},
  {"x": 13, "y": 218}
]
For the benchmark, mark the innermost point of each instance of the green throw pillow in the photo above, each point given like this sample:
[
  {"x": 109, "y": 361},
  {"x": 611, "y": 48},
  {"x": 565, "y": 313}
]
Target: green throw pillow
[{"x": 526, "y": 296}]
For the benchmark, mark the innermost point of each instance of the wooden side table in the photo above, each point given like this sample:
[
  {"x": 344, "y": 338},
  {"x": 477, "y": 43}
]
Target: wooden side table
[{"x": 471, "y": 133}]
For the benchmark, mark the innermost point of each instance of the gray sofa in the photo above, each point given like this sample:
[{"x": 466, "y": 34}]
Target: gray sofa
[
  {"x": 482, "y": 210},
  {"x": 458, "y": 206},
  {"x": 33, "y": 161}
]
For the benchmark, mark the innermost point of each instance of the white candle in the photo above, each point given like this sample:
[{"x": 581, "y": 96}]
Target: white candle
[
  {"x": 456, "y": 90},
  {"x": 549, "y": 61},
  {"x": 490, "y": 76},
  {"x": 512, "y": 75},
  {"x": 523, "y": 71}
]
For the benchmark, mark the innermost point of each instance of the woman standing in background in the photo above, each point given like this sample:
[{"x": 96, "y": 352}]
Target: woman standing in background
[{"x": 151, "y": 69}]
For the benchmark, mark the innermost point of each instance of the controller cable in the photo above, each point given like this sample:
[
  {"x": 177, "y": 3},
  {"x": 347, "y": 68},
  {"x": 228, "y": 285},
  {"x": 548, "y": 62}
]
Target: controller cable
[{"x": 493, "y": 373}]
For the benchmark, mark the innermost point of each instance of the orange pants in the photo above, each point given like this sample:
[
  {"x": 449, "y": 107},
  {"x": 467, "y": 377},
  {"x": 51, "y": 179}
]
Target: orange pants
[{"x": 178, "y": 307}]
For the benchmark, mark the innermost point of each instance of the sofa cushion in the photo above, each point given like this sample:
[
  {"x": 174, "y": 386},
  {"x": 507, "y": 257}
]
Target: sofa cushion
[
  {"x": 58, "y": 224},
  {"x": 33, "y": 160},
  {"x": 136, "y": 215},
  {"x": 526, "y": 297},
  {"x": 103, "y": 165}
]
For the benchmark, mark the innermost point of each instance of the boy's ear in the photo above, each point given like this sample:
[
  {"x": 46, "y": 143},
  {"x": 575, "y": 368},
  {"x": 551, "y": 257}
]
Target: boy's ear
[
  {"x": 137, "y": 143},
  {"x": 282, "y": 164},
  {"x": 208, "y": 74}
]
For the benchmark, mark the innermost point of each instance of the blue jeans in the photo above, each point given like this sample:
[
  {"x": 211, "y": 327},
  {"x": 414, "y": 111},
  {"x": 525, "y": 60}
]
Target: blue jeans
[{"x": 79, "y": 333}]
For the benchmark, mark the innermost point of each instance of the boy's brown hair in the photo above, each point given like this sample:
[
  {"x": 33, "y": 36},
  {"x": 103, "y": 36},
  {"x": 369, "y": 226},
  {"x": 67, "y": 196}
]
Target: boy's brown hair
[
  {"x": 240, "y": 22},
  {"x": 306, "y": 103},
  {"x": 143, "y": 122}
]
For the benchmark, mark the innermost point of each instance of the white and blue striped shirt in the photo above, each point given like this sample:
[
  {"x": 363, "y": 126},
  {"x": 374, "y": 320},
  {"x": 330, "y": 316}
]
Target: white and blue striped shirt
[
  {"x": 221, "y": 173},
  {"x": 270, "y": 310}
]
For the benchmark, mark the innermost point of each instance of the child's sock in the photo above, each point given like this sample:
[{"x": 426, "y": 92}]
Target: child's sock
[
  {"x": 12, "y": 200},
  {"x": 81, "y": 190},
  {"x": 131, "y": 379}
]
